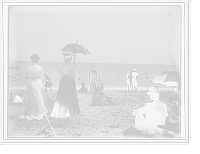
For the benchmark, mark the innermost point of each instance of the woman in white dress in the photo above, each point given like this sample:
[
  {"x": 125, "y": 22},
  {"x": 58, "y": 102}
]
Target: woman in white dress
[
  {"x": 35, "y": 90},
  {"x": 93, "y": 79}
]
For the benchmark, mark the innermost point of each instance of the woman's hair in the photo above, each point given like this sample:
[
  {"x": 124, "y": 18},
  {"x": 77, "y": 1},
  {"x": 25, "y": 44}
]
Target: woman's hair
[
  {"x": 34, "y": 60},
  {"x": 67, "y": 57},
  {"x": 93, "y": 66}
]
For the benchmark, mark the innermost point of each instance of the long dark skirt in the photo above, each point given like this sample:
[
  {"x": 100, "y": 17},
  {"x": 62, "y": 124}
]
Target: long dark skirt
[
  {"x": 66, "y": 100},
  {"x": 93, "y": 84}
]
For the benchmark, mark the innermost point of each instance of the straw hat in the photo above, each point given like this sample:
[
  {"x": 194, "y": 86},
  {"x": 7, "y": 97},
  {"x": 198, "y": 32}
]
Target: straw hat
[
  {"x": 153, "y": 89},
  {"x": 175, "y": 97},
  {"x": 172, "y": 123},
  {"x": 35, "y": 57}
]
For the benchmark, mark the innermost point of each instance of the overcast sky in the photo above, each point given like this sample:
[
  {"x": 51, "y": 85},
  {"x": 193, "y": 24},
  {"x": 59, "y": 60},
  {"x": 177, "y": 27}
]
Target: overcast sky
[{"x": 113, "y": 34}]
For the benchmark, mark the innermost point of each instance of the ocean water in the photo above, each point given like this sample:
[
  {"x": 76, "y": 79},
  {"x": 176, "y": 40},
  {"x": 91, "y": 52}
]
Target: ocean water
[{"x": 112, "y": 75}]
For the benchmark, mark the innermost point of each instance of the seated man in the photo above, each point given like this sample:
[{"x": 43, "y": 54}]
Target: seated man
[
  {"x": 99, "y": 98},
  {"x": 152, "y": 114},
  {"x": 83, "y": 89}
]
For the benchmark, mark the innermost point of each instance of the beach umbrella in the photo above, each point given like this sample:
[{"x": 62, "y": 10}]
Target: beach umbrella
[
  {"x": 74, "y": 49},
  {"x": 167, "y": 78}
]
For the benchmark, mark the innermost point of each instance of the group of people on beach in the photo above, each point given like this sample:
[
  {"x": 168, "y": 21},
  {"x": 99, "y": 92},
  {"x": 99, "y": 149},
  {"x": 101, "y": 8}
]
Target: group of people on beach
[
  {"x": 131, "y": 79},
  {"x": 147, "y": 118}
]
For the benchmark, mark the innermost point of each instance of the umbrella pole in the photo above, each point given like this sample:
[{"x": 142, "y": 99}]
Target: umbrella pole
[
  {"x": 74, "y": 58},
  {"x": 75, "y": 54},
  {"x": 54, "y": 134}
]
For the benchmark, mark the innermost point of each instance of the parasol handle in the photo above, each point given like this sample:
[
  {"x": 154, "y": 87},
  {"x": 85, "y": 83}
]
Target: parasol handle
[
  {"x": 74, "y": 58},
  {"x": 75, "y": 54}
]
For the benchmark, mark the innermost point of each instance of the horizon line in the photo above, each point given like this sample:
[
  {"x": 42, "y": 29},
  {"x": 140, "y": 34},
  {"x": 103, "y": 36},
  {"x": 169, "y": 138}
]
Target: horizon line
[{"x": 96, "y": 62}]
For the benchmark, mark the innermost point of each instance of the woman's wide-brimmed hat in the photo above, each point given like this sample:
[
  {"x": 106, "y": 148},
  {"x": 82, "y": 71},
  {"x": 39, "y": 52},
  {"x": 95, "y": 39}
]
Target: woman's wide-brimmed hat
[
  {"x": 153, "y": 90},
  {"x": 35, "y": 57},
  {"x": 172, "y": 123}
]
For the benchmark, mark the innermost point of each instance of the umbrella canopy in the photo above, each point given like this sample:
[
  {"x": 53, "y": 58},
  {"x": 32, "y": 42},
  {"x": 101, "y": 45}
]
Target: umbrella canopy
[
  {"x": 75, "y": 48},
  {"x": 167, "y": 78}
]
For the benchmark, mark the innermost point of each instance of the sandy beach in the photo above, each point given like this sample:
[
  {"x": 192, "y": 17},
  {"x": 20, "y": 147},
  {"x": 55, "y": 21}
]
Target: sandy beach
[{"x": 93, "y": 121}]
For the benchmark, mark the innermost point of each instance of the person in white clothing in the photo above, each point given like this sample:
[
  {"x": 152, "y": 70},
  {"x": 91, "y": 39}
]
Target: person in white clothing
[
  {"x": 135, "y": 76},
  {"x": 36, "y": 104}
]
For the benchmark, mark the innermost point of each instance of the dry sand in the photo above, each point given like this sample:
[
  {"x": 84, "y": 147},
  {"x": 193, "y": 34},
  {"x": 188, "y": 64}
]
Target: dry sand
[{"x": 93, "y": 122}]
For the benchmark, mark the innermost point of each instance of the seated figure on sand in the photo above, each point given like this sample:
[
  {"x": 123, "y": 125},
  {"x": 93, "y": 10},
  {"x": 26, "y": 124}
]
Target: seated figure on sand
[
  {"x": 83, "y": 89},
  {"x": 99, "y": 98},
  {"x": 151, "y": 115}
]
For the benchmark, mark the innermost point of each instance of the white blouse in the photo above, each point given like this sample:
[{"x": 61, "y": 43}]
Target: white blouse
[
  {"x": 34, "y": 71},
  {"x": 67, "y": 68}
]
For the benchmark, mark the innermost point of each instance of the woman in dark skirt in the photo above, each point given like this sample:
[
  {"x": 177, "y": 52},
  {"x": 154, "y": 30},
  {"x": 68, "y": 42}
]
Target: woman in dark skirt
[
  {"x": 67, "y": 104},
  {"x": 93, "y": 79}
]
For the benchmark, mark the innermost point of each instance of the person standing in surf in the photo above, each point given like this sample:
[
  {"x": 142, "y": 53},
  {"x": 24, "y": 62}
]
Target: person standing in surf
[
  {"x": 93, "y": 79},
  {"x": 135, "y": 77}
]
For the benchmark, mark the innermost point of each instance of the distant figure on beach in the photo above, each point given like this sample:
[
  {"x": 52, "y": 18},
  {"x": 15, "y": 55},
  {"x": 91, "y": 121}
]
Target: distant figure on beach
[
  {"x": 129, "y": 79},
  {"x": 174, "y": 99},
  {"x": 148, "y": 118},
  {"x": 16, "y": 98},
  {"x": 66, "y": 104},
  {"x": 48, "y": 83},
  {"x": 93, "y": 79},
  {"x": 15, "y": 76},
  {"x": 36, "y": 105},
  {"x": 99, "y": 98},
  {"x": 83, "y": 89},
  {"x": 135, "y": 76}
]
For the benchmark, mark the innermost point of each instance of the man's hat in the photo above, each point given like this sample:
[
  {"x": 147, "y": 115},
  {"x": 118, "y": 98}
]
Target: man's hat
[{"x": 153, "y": 89}]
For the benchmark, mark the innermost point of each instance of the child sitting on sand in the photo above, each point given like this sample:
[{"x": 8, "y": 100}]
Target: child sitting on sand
[
  {"x": 83, "y": 89},
  {"x": 99, "y": 98}
]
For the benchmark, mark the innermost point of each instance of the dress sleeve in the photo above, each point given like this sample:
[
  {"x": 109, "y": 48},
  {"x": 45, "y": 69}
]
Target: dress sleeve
[
  {"x": 42, "y": 74},
  {"x": 60, "y": 72},
  {"x": 140, "y": 110}
]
